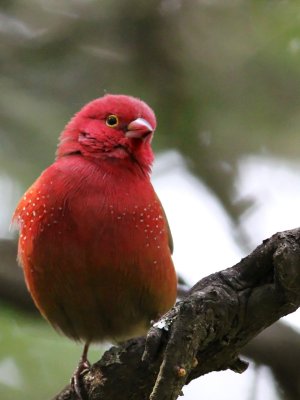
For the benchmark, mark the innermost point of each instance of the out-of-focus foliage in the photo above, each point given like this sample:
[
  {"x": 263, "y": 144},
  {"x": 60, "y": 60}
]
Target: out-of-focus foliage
[
  {"x": 223, "y": 77},
  {"x": 34, "y": 360}
]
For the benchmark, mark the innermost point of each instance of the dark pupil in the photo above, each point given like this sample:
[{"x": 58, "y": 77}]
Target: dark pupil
[{"x": 112, "y": 120}]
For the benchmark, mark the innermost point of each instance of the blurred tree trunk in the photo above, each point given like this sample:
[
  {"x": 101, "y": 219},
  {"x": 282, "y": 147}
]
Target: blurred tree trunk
[
  {"x": 279, "y": 348},
  {"x": 12, "y": 285}
]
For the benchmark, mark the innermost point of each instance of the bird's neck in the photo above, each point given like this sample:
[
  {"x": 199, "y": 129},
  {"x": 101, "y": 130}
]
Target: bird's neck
[{"x": 110, "y": 168}]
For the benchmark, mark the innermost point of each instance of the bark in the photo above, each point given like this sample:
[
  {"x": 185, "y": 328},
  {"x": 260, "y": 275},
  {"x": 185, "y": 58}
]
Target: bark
[{"x": 205, "y": 331}]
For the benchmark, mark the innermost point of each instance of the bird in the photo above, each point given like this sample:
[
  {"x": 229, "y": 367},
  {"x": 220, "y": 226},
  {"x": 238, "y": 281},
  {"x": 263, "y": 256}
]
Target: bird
[{"x": 94, "y": 241}]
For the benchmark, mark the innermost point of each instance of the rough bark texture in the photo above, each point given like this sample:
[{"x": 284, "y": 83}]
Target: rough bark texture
[{"x": 206, "y": 330}]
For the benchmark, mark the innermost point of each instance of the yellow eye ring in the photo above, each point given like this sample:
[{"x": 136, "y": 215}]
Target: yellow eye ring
[{"x": 112, "y": 121}]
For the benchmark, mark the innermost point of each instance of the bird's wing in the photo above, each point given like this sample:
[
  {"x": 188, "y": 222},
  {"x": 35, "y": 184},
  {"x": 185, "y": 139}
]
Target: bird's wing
[
  {"x": 171, "y": 244},
  {"x": 170, "y": 241}
]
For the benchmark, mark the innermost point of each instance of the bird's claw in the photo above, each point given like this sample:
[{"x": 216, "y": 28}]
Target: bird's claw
[{"x": 76, "y": 380}]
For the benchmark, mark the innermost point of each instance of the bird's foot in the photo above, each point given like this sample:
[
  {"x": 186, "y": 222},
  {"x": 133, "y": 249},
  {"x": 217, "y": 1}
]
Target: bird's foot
[{"x": 76, "y": 380}]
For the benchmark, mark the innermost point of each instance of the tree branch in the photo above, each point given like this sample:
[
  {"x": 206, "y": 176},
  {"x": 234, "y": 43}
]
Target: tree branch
[{"x": 205, "y": 331}]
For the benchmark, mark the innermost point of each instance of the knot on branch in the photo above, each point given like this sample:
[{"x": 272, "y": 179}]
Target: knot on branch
[{"x": 287, "y": 262}]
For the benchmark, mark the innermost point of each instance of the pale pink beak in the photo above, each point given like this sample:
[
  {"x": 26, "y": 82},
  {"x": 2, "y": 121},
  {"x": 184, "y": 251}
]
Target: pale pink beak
[{"x": 138, "y": 129}]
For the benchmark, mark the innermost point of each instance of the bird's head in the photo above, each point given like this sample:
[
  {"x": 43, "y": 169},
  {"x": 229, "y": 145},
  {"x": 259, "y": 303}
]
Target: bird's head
[{"x": 113, "y": 127}]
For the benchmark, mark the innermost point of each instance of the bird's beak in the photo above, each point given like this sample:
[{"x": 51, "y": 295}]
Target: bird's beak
[{"x": 138, "y": 129}]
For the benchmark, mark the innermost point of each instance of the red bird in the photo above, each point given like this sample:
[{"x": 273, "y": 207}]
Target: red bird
[{"x": 94, "y": 241}]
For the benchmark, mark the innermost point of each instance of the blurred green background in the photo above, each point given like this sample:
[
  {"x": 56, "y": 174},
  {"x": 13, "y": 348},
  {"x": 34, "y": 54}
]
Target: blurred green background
[{"x": 223, "y": 77}]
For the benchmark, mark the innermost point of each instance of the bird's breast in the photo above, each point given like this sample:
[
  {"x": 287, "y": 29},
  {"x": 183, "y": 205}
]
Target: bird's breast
[{"x": 95, "y": 253}]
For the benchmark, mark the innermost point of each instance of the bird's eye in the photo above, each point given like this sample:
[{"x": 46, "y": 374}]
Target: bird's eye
[{"x": 112, "y": 121}]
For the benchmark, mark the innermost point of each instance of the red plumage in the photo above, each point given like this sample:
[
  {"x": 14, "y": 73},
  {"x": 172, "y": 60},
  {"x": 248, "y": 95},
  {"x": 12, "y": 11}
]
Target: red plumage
[{"x": 94, "y": 241}]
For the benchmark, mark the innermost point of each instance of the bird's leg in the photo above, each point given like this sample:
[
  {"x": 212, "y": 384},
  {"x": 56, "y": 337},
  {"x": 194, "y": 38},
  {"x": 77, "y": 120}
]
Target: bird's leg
[{"x": 82, "y": 366}]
